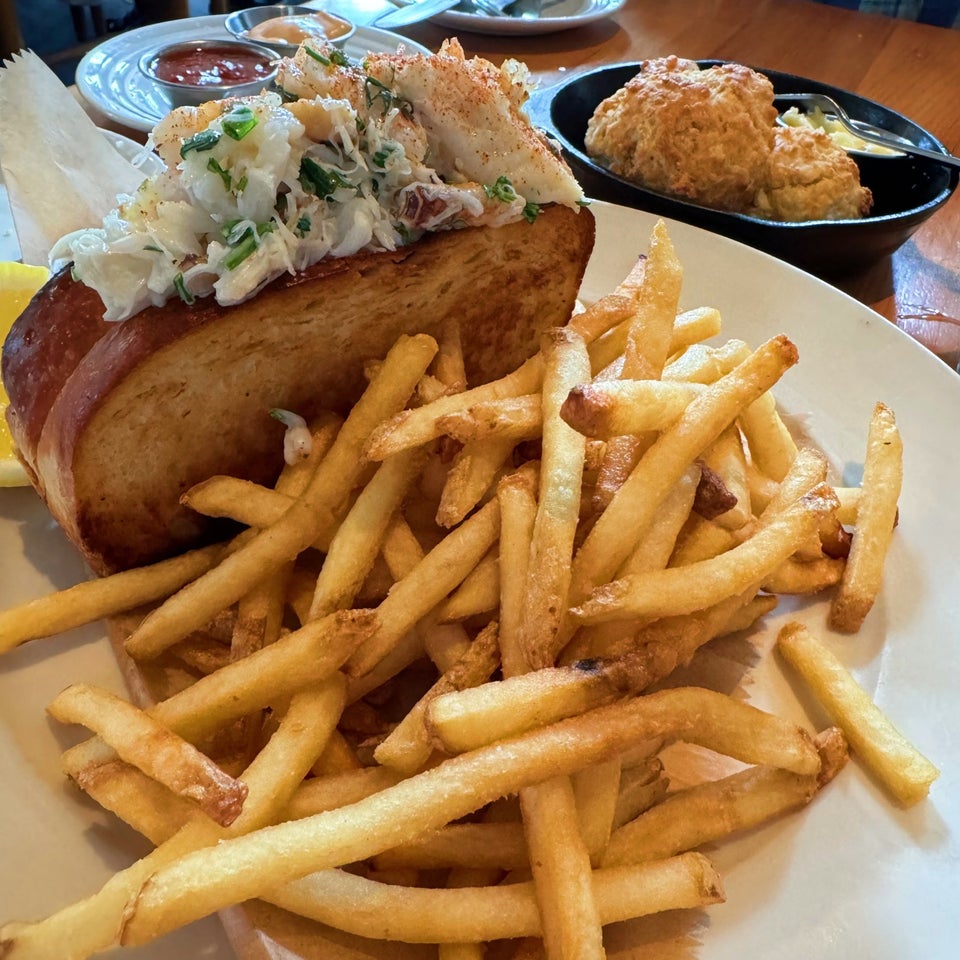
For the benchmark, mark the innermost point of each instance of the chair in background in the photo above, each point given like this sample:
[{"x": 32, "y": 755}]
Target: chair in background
[
  {"x": 11, "y": 39},
  {"x": 78, "y": 10}
]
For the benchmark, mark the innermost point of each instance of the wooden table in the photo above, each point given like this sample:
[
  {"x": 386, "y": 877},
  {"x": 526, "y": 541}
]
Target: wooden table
[{"x": 912, "y": 68}]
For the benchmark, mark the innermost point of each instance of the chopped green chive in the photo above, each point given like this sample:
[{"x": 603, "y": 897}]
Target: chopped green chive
[
  {"x": 531, "y": 211},
  {"x": 501, "y": 189},
  {"x": 319, "y": 57},
  {"x": 303, "y": 226},
  {"x": 180, "y": 285},
  {"x": 245, "y": 245},
  {"x": 239, "y": 122},
  {"x": 214, "y": 167},
  {"x": 374, "y": 90},
  {"x": 318, "y": 180},
  {"x": 199, "y": 142}
]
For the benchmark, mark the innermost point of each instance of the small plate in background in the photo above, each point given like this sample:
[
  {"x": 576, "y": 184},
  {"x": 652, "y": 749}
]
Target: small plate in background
[
  {"x": 555, "y": 15},
  {"x": 906, "y": 190}
]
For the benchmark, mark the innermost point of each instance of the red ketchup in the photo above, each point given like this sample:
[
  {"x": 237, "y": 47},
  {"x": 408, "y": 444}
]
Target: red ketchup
[{"x": 210, "y": 65}]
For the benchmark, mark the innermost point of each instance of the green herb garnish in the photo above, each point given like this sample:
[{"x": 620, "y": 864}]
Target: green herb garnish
[
  {"x": 239, "y": 122},
  {"x": 214, "y": 167},
  {"x": 245, "y": 245},
  {"x": 380, "y": 157},
  {"x": 336, "y": 57},
  {"x": 501, "y": 189},
  {"x": 180, "y": 285},
  {"x": 318, "y": 180},
  {"x": 303, "y": 226},
  {"x": 374, "y": 90},
  {"x": 241, "y": 184},
  {"x": 200, "y": 142},
  {"x": 531, "y": 211}
]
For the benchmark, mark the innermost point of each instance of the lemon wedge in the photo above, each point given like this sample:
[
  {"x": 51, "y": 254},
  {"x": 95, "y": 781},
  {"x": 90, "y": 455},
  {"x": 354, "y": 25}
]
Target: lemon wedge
[{"x": 18, "y": 283}]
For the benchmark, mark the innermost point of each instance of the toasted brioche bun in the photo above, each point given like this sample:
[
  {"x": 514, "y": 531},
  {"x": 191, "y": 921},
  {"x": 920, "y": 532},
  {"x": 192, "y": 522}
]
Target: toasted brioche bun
[{"x": 114, "y": 421}]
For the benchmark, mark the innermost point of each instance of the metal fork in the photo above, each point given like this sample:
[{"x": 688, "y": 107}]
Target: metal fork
[{"x": 866, "y": 131}]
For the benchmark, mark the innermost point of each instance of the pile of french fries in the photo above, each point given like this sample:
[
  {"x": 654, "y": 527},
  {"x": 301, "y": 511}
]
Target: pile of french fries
[{"x": 423, "y": 695}]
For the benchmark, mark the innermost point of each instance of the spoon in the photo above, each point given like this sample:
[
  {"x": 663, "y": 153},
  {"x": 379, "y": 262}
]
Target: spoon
[{"x": 866, "y": 131}]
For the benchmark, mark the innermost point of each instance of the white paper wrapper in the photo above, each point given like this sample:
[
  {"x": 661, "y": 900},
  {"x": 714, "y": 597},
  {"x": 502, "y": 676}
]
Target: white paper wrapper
[{"x": 61, "y": 174}]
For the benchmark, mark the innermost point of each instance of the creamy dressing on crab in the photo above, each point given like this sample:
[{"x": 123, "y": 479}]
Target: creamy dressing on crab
[{"x": 346, "y": 158}]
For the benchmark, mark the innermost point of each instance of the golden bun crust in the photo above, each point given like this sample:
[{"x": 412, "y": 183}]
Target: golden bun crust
[
  {"x": 148, "y": 407},
  {"x": 703, "y": 135}
]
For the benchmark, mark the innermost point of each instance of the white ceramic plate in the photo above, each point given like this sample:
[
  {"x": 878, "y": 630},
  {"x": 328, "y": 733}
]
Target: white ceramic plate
[
  {"x": 555, "y": 15},
  {"x": 850, "y": 876},
  {"x": 109, "y": 78}
]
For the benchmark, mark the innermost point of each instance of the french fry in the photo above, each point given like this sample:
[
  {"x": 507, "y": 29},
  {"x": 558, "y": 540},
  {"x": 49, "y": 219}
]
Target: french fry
[
  {"x": 849, "y": 498},
  {"x": 518, "y": 509},
  {"x": 678, "y": 590},
  {"x": 408, "y": 746},
  {"x": 704, "y": 364},
  {"x": 711, "y": 811},
  {"x": 793, "y": 577},
  {"x": 516, "y": 418},
  {"x": 809, "y": 468},
  {"x": 481, "y": 715},
  {"x": 474, "y": 471},
  {"x": 411, "y": 428},
  {"x": 876, "y": 518},
  {"x": 655, "y": 548},
  {"x": 479, "y": 592},
  {"x": 610, "y": 408},
  {"x": 558, "y": 506},
  {"x": 257, "y": 506},
  {"x": 713, "y": 499},
  {"x": 202, "y": 882},
  {"x": 699, "y": 540},
  {"x": 295, "y": 661},
  {"x": 332, "y": 790},
  {"x": 95, "y": 924},
  {"x": 448, "y": 364},
  {"x": 479, "y": 914},
  {"x": 148, "y": 745},
  {"x": 359, "y": 537},
  {"x": 595, "y": 791},
  {"x": 105, "y": 597},
  {"x": 896, "y": 763},
  {"x": 415, "y": 427},
  {"x": 726, "y": 458},
  {"x": 631, "y": 511},
  {"x": 478, "y": 845},
  {"x": 640, "y": 788},
  {"x": 771, "y": 446},
  {"x": 645, "y": 352},
  {"x": 413, "y": 597},
  {"x": 570, "y": 919},
  {"x": 692, "y": 326}
]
